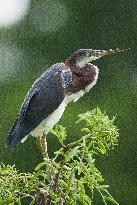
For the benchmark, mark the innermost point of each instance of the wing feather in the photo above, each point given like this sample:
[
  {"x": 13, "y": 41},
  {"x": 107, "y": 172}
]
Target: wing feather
[{"x": 44, "y": 97}]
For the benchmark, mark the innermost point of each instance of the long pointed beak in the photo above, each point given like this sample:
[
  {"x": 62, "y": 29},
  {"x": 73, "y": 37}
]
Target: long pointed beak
[
  {"x": 83, "y": 56},
  {"x": 101, "y": 53}
]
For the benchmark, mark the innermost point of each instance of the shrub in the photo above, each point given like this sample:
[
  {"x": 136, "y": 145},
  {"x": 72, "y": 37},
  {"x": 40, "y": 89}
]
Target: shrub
[{"x": 71, "y": 176}]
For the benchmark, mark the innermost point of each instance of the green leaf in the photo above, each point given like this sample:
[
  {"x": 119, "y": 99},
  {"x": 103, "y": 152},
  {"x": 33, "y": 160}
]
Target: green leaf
[
  {"x": 110, "y": 199},
  {"x": 60, "y": 132},
  {"x": 102, "y": 147},
  {"x": 86, "y": 130},
  {"x": 72, "y": 174},
  {"x": 80, "y": 167},
  {"x": 41, "y": 165},
  {"x": 72, "y": 153}
]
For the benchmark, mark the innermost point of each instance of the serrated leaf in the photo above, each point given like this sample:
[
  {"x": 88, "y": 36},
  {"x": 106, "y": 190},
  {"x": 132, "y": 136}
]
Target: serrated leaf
[
  {"x": 70, "y": 154},
  {"x": 102, "y": 147},
  {"x": 60, "y": 132},
  {"x": 80, "y": 167}
]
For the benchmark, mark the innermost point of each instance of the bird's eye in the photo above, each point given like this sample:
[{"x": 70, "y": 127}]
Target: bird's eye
[{"x": 87, "y": 53}]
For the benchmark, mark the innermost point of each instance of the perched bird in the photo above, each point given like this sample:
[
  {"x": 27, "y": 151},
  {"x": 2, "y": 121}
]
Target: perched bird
[{"x": 46, "y": 100}]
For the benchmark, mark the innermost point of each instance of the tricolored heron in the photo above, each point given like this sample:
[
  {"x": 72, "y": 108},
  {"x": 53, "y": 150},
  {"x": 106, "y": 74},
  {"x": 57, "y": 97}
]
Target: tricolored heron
[{"x": 46, "y": 100}]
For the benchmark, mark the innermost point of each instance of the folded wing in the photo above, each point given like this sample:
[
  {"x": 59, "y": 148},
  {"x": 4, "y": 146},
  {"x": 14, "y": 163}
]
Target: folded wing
[{"x": 44, "y": 97}]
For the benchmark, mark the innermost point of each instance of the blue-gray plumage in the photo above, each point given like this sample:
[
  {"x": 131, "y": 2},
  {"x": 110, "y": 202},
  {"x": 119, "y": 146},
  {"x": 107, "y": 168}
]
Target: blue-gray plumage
[
  {"x": 46, "y": 100},
  {"x": 44, "y": 97}
]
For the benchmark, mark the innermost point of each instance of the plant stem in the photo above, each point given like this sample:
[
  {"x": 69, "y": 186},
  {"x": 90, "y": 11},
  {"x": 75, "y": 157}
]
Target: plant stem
[{"x": 72, "y": 144}]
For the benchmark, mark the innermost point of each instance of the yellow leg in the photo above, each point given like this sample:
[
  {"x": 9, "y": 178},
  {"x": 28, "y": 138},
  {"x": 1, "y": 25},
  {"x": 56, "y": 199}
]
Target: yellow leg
[{"x": 42, "y": 145}]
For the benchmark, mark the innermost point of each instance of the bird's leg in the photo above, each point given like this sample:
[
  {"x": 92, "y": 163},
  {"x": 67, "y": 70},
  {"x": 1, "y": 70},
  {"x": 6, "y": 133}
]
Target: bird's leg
[{"x": 42, "y": 145}]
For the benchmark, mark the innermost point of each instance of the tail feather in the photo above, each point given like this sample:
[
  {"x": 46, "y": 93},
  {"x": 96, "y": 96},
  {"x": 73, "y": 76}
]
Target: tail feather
[{"x": 15, "y": 135}]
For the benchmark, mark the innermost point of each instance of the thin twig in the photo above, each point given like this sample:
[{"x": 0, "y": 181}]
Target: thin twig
[
  {"x": 55, "y": 184},
  {"x": 73, "y": 144}
]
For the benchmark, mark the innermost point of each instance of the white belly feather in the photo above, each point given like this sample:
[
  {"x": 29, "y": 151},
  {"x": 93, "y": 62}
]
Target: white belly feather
[{"x": 51, "y": 120}]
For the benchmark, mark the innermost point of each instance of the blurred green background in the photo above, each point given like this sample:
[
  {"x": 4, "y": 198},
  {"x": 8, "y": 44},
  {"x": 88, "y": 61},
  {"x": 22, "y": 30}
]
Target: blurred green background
[{"x": 48, "y": 33}]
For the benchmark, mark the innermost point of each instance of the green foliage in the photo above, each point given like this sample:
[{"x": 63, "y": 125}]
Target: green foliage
[
  {"x": 60, "y": 133},
  {"x": 71, "y": 177}
]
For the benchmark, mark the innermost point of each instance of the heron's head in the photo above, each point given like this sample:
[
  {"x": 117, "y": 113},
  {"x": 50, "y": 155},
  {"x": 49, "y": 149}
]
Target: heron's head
[{"x": 84, "y": 56}]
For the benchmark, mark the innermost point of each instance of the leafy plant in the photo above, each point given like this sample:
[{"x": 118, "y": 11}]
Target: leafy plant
[{"x": 71, "y": 176}]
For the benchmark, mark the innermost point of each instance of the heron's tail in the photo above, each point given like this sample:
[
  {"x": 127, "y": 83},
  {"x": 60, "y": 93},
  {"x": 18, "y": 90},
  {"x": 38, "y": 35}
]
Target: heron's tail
[{"x": 14, "y": 135}]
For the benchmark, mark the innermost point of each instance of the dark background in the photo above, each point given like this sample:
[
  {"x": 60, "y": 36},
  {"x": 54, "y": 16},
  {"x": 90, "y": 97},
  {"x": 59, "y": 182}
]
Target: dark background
[{"x": 48, "y": 34}]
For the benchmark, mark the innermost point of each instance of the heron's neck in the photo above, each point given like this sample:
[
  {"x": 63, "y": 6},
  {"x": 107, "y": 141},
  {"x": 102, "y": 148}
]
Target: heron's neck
[{"x": 82, "y": 77}]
